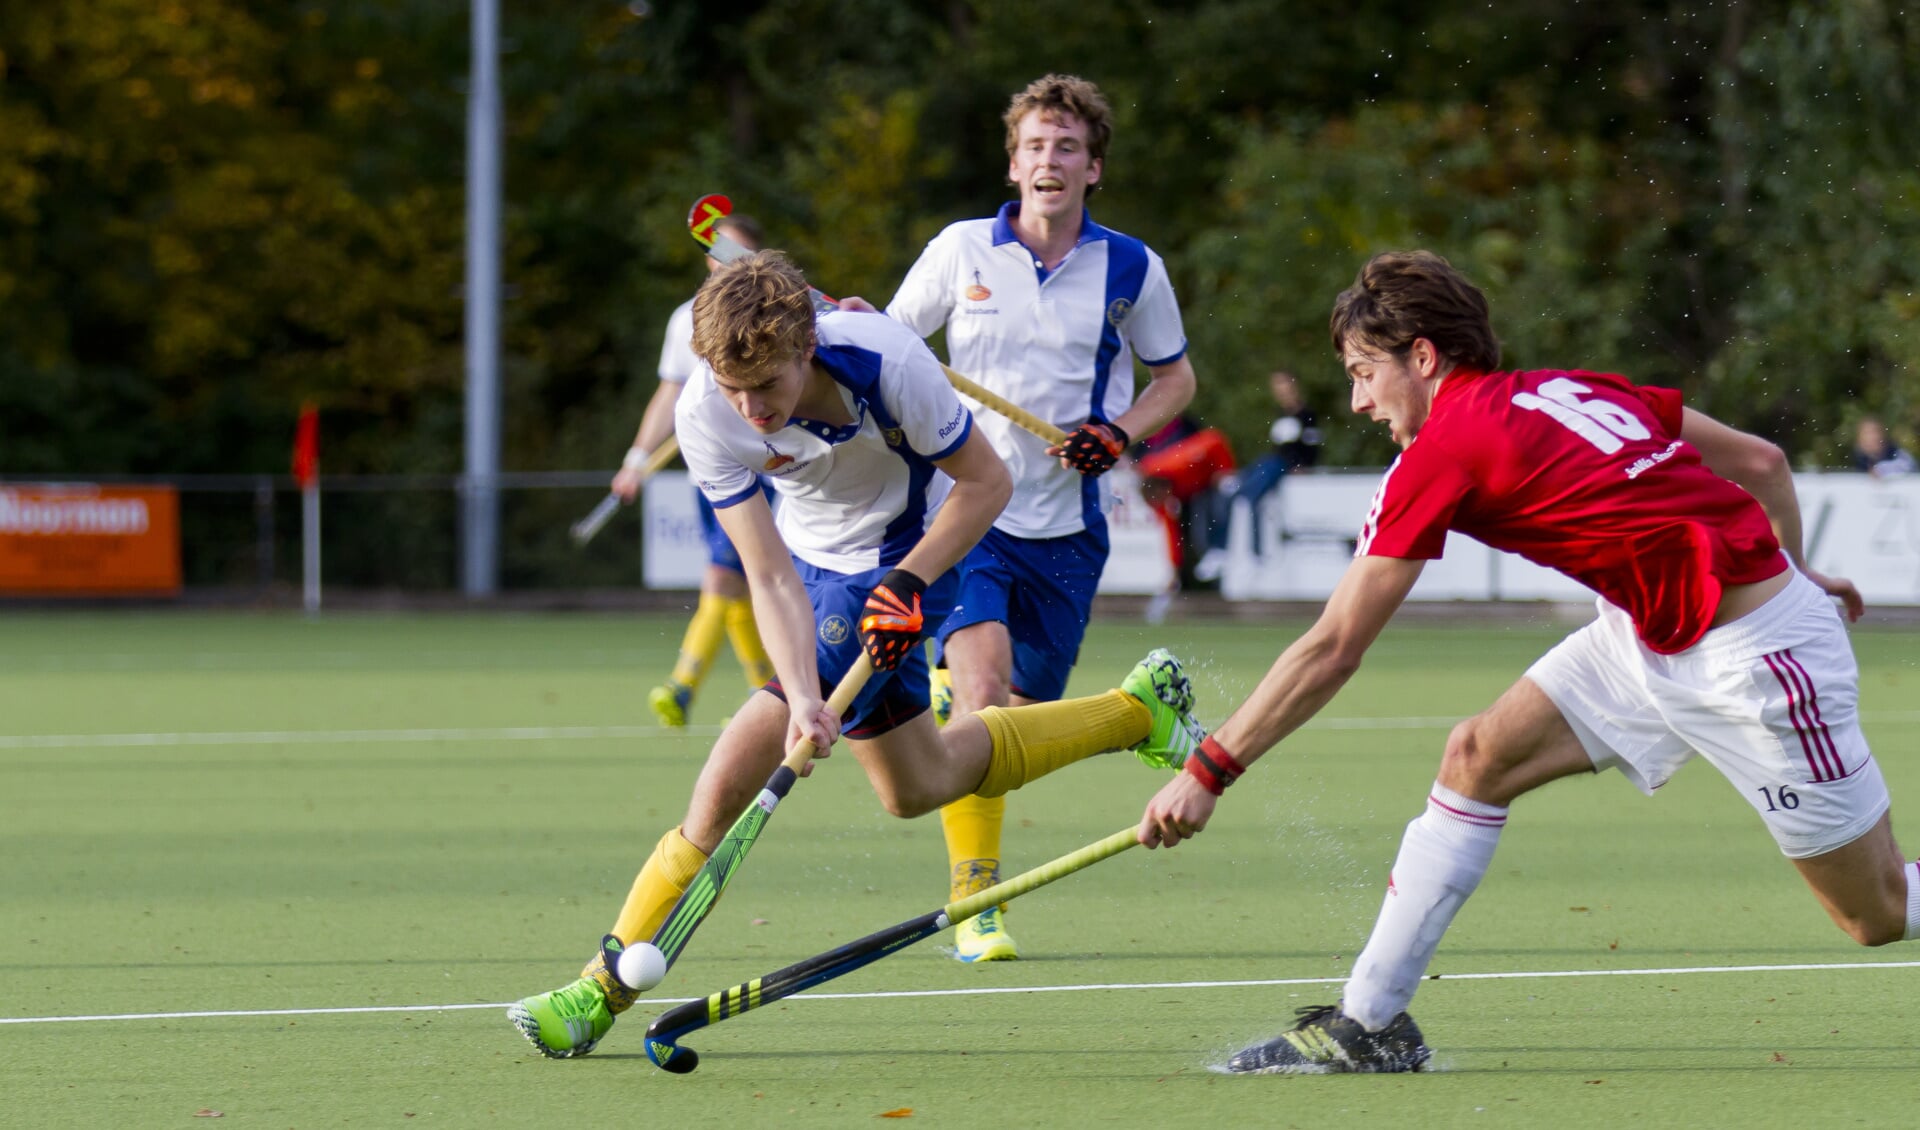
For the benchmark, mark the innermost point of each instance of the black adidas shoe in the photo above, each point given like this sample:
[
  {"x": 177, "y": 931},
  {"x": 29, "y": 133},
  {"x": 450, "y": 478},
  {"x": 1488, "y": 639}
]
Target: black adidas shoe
[{"x": 1326, "y": 1040}]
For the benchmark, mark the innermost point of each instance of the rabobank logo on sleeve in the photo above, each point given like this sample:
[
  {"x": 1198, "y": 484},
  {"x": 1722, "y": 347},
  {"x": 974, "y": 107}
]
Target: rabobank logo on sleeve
[{"x": 953, "y": 425}]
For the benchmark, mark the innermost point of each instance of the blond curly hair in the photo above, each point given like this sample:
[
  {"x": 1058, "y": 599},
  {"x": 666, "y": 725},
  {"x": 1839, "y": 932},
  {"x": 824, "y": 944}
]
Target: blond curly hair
[{"x": 753, "y": 316}]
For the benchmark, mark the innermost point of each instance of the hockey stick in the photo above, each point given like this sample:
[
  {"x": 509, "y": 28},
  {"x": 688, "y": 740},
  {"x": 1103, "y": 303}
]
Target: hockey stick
[
  {"x": 1020, "y": 417},
  {"x": 597, "y": 519},
  {"x": 712, "y": 879},
  {"x": 703, "y": 221},
  {"x": 664, "y": 1033}
]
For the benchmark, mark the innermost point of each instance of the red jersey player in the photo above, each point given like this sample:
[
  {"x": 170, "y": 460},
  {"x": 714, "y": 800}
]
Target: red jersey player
[{"x": 1713, "y": 637}]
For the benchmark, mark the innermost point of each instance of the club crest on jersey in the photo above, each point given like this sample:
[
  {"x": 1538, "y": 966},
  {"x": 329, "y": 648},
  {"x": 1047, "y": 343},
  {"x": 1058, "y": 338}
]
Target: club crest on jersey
[
  {"x": 978, "y": 292},
  {"x": 834, "y": 630},
  {"x": 776, "y": 458},
  {"x": 1118, "y": 310},
  {"x": 894, "y": 437}
]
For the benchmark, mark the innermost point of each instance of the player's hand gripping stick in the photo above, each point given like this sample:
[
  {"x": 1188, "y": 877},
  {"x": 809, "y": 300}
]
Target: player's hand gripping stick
[
  {"x": 597, "y": 519},
  {"x": 1092, "y": 448},
  {"x": 891, "y": 623}
]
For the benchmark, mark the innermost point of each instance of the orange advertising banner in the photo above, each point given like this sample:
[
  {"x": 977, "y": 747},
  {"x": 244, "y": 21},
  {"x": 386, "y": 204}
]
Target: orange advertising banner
[{"x": 80, "y": 539}]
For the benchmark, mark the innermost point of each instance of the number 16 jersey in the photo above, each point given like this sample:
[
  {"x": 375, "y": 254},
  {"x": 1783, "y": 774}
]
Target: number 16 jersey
[{"x": 1586, "y": 474}]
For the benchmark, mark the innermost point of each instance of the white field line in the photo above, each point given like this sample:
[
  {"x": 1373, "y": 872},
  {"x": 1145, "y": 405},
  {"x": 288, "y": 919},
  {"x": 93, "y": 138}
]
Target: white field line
[
  {"x": 294, "y": 662},
  {"x": 586, "y": 733},
  {"x": 1677, "y": 971},
  {"x": 350, "y": 737}
]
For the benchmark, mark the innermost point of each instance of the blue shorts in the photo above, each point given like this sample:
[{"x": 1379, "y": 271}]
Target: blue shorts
[
  {"x": 720, "y": 549},
  {"x": 890, "y": 698},
  {"x": 1042, "y": 590}
]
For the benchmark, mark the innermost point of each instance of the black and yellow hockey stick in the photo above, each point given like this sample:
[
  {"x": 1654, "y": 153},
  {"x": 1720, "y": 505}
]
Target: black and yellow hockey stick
[{"x": 664, "y": 1033}]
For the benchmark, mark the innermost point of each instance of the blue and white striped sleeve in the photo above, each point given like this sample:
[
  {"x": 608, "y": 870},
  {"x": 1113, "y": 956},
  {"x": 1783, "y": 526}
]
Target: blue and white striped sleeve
[
  {"x": 1153, "y": 326},
  {"x": 715, "y": 471}
]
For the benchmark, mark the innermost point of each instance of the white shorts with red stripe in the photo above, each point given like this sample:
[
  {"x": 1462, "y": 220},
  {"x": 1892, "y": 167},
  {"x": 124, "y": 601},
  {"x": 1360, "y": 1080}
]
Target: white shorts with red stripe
[{"x": 1772, "y": 700}]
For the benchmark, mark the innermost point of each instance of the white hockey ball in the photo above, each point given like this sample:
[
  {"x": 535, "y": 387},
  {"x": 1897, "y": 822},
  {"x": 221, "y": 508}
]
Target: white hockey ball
[{"x": 642, "y": 965}]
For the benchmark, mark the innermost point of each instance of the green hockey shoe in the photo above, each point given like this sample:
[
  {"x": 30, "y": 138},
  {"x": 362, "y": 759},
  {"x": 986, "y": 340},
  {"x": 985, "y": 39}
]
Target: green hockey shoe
[
  {"x": 1160, "y": 684},
  {"x": 565, "y": 1022},
  {"x": 940, "y": 695},
  {"x": 984, "y": 937},
  {"x": 671, "y": 701}
]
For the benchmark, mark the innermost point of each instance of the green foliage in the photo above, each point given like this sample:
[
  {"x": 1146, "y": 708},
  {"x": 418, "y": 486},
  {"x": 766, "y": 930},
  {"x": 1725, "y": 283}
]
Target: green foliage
[
  {"x": 1523, "y": 212},
  {"x": 1827, "y": 322},
  {"x": 211, "y": 212}
]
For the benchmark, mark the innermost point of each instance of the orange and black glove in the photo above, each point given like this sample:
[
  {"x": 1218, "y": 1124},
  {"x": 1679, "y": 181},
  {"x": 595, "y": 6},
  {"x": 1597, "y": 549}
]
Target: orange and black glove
[
  {"x": 1093, "y": 447},
  {"x": 891, "y": 623}
]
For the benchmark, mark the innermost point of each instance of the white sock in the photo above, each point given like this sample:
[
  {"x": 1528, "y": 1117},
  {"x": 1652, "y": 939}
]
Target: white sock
[
  {"x": 1442, "y": 857},
  {"x": 1912, "y": 872}
]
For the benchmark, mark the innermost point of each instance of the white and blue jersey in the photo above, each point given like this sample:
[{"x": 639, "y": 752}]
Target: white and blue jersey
[
  {"x": 1058, "y": 343},
  {"x": 853, "y": 497},
  {"x": 678, "y": 362}
]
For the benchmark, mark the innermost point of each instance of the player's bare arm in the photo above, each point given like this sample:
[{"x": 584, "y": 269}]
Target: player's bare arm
[
  {"x": 981, "y": 487},
  {"x": 1094, "y": 447},
  {"x": 785, "y": 616},
  {"x": 1761, "y": 469},
  {"x": 1305, "y": 678},
  {"x": 1170, "y": 388},
  {"x": 656, "y": 424}
]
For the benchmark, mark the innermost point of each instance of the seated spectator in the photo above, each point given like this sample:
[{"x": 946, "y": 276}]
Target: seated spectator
[
  {"x": 1875, "y": 452},
  {"x": 1295, "y": 435}
]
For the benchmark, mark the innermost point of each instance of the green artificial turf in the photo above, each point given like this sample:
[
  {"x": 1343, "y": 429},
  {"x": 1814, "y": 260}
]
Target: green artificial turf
[{"x": 257, "y": 812}]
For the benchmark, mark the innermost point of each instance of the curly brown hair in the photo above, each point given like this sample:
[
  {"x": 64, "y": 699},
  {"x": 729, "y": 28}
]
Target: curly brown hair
[
  {"x": 752, "y": 316},
  {"x": 1063, "y": 94},
  {"x": 1400, "y": 296}
]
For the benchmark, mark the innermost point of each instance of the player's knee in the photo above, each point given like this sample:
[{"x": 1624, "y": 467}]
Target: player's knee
[
  {"x": 906, "y": 801},
  {"x": 1468, "y": 767},
  {"x": 1476, "y": 766},
  {"x": 977, "y": 689},
  {"x": 1879, "y": 929}
]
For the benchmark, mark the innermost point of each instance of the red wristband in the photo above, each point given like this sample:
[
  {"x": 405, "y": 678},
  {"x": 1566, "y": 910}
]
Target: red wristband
[{"x": 1213, "y": 766}]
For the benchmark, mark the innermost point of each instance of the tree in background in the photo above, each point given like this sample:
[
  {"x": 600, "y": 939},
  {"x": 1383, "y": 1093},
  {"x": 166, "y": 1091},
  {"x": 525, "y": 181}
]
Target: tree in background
[{"x": 212, "y": 211}]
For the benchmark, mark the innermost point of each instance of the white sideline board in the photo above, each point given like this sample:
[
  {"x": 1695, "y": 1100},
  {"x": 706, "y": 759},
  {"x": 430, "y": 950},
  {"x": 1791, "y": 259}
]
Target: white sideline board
[{"x": 1855, "y": 526}]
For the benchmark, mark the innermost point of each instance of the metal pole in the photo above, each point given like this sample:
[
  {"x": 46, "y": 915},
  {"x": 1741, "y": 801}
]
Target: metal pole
[
  {"x": 480, "y": 559},
  {"x": 310, "y": 547},
  {"x": 263, "y": 531}
]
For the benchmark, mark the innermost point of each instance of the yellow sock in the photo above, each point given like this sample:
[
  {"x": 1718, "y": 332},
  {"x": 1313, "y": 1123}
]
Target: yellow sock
[
  {"x": 747, "y": 648},
  {"x": 1030, "y": 742},
  {"x": 702, "y": 641},
  {"x": 661, "y": 882},
  {"x": 972, "y": 825}
]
